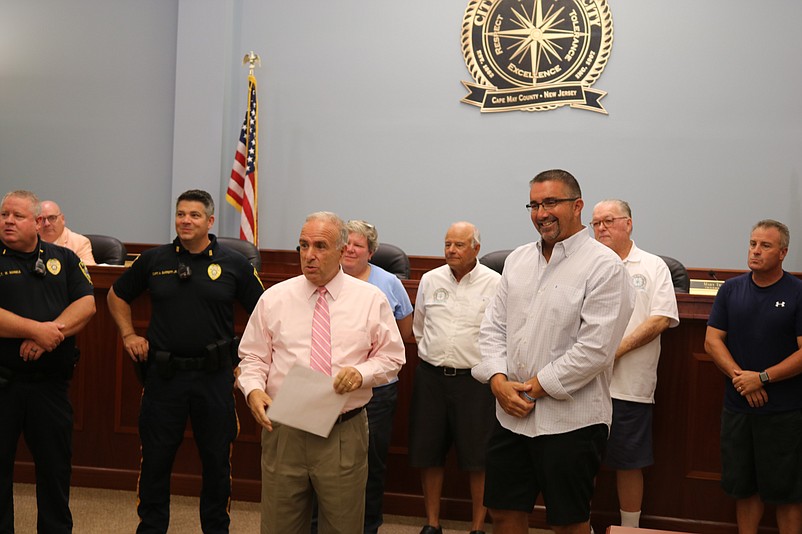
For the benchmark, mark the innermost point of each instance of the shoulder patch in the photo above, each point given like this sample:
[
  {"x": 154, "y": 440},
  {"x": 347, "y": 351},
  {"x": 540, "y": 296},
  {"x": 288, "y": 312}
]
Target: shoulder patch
[{"x": 85, "y": 271}]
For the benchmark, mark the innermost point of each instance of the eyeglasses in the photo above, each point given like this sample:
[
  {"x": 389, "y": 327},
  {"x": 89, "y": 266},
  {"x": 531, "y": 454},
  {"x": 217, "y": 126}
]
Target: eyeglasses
[
  {"x": 607, "y": 223},
  {"x": 52, "y": 218},
  {"x": 548, "y": 204}
]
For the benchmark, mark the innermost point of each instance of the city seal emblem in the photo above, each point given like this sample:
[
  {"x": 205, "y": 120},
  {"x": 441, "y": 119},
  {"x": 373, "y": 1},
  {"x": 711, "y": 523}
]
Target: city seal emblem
[{"x": 536, "y": 55}]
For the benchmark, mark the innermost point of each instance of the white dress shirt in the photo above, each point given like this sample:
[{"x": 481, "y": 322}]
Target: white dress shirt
[{"x": 561, "y": 320}]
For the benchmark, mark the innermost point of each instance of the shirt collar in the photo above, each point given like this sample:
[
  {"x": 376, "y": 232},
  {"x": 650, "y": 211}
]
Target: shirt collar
[
  {"x": 334, "y": 287},
  {"x": 5, "y": 250},
  {"x": 209, "y": 250},
  {"x": 568, "y": 245},
  {"x": 63, "y": 238},
  {"x": 634, "y": 255},
  {"x": 468, "y": 276}
]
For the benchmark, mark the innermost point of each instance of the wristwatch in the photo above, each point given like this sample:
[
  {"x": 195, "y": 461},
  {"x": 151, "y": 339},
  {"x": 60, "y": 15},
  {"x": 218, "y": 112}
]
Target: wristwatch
[{"x": 764, "y": 377}]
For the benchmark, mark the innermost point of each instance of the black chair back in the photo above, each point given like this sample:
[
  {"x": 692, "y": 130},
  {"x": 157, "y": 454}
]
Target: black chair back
[
  {"x": 107, "y": 249},
  {"x": 679, "y": 275},
  {"x": 246, "y": 248},
  {"x": 392, "y": 259},
  {"x": 495, "y": 260}
]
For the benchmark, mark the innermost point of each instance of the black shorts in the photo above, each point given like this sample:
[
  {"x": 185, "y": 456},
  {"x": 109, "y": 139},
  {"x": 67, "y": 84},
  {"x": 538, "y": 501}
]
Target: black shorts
[
  {"x": 560, "y": 466},
  {"x": 630, "y": 443},
  {"x": 762, "y": 454},
  {"x": 449, "y": 410}
]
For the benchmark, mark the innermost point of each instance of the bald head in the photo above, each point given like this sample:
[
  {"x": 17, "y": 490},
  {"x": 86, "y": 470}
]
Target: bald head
[
  {"x": 52, "y": 221},
  {"x": 612, "y": 225},
  {"x": 461, "y": 248}
]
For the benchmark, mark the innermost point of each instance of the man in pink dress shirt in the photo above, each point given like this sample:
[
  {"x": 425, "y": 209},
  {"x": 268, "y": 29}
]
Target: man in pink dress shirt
[
  {"x": 53, "y": 230},
  {"x": 366, "y": 351}
]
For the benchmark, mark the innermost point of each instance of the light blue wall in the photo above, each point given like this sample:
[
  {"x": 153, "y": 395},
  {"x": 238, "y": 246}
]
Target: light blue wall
[
  {"x": 135, "y": 101},
  {"x": 87, "y": 89}
]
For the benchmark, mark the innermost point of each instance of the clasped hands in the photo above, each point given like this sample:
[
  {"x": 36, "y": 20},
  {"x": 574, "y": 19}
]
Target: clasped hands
[
  {"x": 511, "y": 395},
  {"x": 748, "y": 384},
  {"x": 47, "y": 336}
]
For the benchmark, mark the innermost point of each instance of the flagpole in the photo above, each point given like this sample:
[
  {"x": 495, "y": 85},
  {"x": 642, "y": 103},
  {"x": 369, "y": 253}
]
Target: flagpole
[
  {"x": 242, "y": 192},
  {"x": 253, "y": 60}
]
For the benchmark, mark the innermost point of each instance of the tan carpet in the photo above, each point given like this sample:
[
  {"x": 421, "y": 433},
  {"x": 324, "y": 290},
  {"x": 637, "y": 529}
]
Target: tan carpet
[{"x": 101, "y": 511}]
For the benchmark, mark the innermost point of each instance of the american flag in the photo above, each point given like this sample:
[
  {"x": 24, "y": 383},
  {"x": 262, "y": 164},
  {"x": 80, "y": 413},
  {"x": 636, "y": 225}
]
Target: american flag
[{"x": 242, "y": 186}]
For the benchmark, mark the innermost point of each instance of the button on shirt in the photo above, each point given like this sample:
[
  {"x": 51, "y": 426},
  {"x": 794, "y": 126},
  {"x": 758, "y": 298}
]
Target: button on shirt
[
  {"x": 364, "y": 335},
  {"x": 561, "y": 320},
  {"x": 448, "y": 314}
]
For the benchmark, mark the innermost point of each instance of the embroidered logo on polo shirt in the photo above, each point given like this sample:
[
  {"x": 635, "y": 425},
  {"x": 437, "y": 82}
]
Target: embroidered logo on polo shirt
[
  {"x": 53, "y": 266},
  {"x": 214, "y": 271},
  {"x": 440, "y": 295},
  {"x": 639, "y": 281},
  {"x": 779, "y": 304}
]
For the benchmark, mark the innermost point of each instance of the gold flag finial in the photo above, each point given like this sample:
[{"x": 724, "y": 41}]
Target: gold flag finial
[{"x": 252, "y": 60}]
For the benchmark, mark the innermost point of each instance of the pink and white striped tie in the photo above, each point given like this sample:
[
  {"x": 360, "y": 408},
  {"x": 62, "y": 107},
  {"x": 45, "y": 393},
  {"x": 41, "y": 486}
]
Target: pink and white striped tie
[{"x": 321, "y": 335}]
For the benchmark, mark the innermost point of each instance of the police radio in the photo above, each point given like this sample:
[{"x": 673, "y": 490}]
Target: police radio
[
  {"x": 39, "y": 267},
  {"x": 184, "y": 271}
]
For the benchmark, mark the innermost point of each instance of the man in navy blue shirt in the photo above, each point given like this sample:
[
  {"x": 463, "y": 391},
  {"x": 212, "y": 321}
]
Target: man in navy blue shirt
[
  {"x": 186, "y": 353},
  {"x": 754, "y": 335}
]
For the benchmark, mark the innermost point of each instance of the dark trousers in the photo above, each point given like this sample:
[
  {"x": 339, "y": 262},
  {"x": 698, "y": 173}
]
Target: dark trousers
[
  {"x": 381, "y": 410},
  {"x": 42, "y": 413},
  {"x": 207, "y": 400}
]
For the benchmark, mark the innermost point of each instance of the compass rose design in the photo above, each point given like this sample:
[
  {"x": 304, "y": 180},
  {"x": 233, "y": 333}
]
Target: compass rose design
[
  {"x": 553, "y": 50},
  {"x": 537, "y": 36}
]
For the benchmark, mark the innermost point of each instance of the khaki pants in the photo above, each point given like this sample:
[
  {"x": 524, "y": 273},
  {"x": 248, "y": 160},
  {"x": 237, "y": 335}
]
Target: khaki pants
[{"x": 294, "y": 463}]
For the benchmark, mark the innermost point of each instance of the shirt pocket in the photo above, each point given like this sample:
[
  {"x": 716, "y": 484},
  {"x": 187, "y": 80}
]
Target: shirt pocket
[
  {"x": 476, "y": 308},
  {"x": 563, "y": 307},
  {"x": 349, "y": 347}
]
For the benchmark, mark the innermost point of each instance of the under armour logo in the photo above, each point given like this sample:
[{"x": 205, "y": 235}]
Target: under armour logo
[{"x": 779, "y": 304}]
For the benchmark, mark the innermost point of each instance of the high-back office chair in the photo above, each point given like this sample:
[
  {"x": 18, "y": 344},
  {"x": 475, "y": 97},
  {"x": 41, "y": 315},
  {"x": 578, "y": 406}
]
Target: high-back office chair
[
  {"x": 392, "y": 259},
  {"x": 495, "y": 260},
  {"x": 679, "y": 275},
  {"x": 246, "y": 248},
  {"x": 107, "y": 249}
]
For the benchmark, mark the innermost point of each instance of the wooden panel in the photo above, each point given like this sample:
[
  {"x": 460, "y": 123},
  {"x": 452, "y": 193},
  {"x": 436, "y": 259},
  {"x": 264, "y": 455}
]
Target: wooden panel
[{"x": 682, "y": 489}]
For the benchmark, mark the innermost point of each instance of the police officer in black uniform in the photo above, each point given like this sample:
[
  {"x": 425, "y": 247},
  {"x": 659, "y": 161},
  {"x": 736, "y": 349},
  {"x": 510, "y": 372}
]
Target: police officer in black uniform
[
  {"x": 186, "y": 358},
  {"x": 46, "y": 297}
]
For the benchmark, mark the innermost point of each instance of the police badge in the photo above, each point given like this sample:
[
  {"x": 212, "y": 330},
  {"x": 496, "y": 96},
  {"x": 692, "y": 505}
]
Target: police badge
[
  {"x": 54, "y": 266},
  {"x": 214, "y": 271},
  {"x": 536, "y": 55}
]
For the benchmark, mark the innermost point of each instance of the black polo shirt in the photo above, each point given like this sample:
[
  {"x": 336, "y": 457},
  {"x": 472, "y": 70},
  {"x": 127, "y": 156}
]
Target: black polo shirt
[
  {"x": 189, "y": 314},
  {"x": 41, "y": 298}
]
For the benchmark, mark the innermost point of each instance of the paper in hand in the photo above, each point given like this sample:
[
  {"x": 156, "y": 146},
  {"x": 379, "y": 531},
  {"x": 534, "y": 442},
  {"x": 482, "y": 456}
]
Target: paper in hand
[{"x": 307, "y": 401}]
